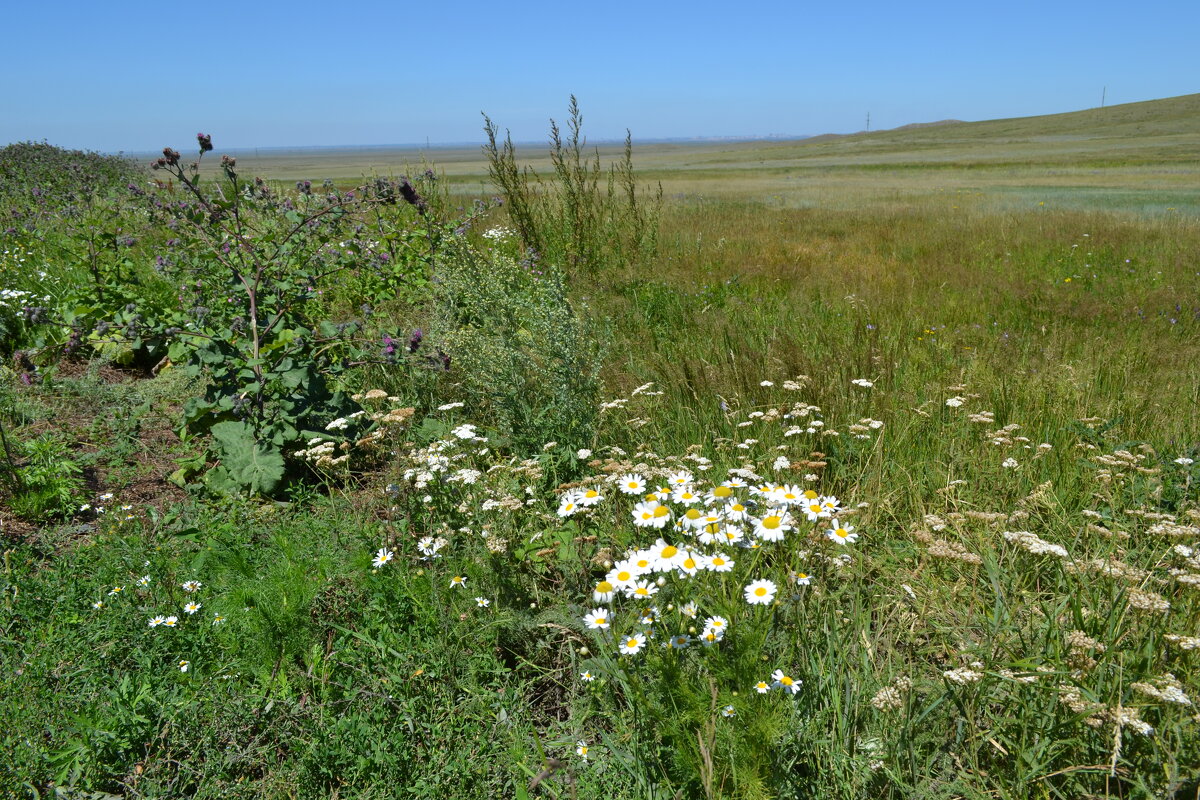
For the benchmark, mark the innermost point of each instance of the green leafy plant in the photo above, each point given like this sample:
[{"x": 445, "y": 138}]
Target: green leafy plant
[{"x": 49, "y": 482}]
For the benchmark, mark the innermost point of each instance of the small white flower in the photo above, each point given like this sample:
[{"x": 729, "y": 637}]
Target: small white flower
[
  {"x": 954, "y": 402},
  {"x": 382, "y": 557},
  {"x": 1010, "y": 463},
  {"x": 191, "y": 608},
  {"x": 863, "y": 382},
  {"x": 760, "y": 592},
  {"x": 482, "y": 602},
  {"x": 183, "y": 665},
  {"x": 1184, "y": 461},
  {"x": 583, "y": 453}
]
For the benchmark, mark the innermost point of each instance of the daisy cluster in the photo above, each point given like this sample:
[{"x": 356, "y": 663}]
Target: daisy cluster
[{"x": 707, "y": 528}]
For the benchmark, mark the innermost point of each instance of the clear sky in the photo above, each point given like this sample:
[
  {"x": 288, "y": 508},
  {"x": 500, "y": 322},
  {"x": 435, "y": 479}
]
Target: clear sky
[{"x": 140, "y": 75}]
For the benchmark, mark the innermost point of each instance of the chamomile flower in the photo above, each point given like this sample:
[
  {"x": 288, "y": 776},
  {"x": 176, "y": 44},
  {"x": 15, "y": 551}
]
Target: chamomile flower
[
  {"x": 458, "y": 581},
  {"x": 718, "y": 562},
  {"x": 144, "y": 580},
  {"x": 801, "y": 578},
  {"x": 116, "y": 590},
  {"x": 732, "y": 534},
  {"x": 649, "y": 616},
  {"x": 689, "y": 609},
  {"x": 156, "y": 621},
  {"x": 382, "y": 556},
  {"x": 789, "y": 495},
  {"x": 685, "y": 495},
  {"x": 762, "y": 687},
  {"x": 691, "y": 518},
  {"x": 814, "y": 510},
  {"x": 482, "y": 602},
  {"x": 632, "y": 645},
  {"x": 718, "y": 624},
  {"x": 191, "y": 608},
  {"x": 842, "y": 534},
  {"x": 710, "y": 637},
  {"x": 621, "y": 576},
  {"x": 586, "y": 676},
  {"x": 631, "y": 483},
  {"x": 183, "y": 665},
  {"x": 760, "y": 592},
  {"x": 691, "y": 563},
  {"x": 171, "y": 621},
  {"x": 581, "y": 749},
  {"x": 98, "y": 604},
  {"x": 680, "y": 478},
  {"x": 679, "y": 641},
  {"x": 736, "y": 511},
  {"x": 651, "y": 514},
  {"x": 603, "y": 593},
  {"x": 773, "y": 525},
  {"x": 589, "y": 497},
  {"x": 218, "y": 619},
  {"x": 666, "y": 556},
  {"x": 719, "y": 494},
  {"x": 191, "y": 586},
  {"x": 569, "y": 504},
  {"x": 641, "y": 561},
  {"x": 784, "y": 682},
  {"x": 597, "y": 618},
  {"x": 643, "y": 589},
  {"x": 728, "y": 712}
]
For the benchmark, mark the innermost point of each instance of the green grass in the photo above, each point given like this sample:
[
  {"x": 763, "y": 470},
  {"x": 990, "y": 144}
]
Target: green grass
[{"x": 1042, "y": 270}]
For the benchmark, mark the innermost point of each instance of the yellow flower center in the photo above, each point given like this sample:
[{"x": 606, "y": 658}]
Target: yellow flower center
[
  {"x": 786, "y": 681},
  {"x": 631, "y": 643},
  {"x": 761, "y": 591},
  {"x": 693, "y": 513},
  {"x": 604, "y": 586},
  {"x": 662, "y": 511},
  {"x": 811, "y": 495},
  {"x": 771, "y": 522},
  {"x": 624, "y": 576},
  {"x": 718, "y": 561},
  {"x": 722, "y": 491},
  {"x": 689, "y": 563},
  {"x": 669, "y": 551}
]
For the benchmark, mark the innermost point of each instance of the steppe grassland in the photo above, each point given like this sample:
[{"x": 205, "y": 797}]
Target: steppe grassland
[{"x": 1007, "y": 393}]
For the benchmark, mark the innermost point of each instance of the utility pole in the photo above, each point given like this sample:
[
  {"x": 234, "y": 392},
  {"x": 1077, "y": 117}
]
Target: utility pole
[
  {"x": 1103, "y": 96},
  {"x": 868, "y": 122}
]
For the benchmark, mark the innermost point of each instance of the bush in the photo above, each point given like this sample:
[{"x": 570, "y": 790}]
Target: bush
[{"x": 524, "y": 355}]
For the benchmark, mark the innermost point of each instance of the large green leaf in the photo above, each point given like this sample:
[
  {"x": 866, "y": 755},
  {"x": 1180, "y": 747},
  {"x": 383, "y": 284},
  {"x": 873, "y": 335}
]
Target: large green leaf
[{"x": 247, "y": 463}]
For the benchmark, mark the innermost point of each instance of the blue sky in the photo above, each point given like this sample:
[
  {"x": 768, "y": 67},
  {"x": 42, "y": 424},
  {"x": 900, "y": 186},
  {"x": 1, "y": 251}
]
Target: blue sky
[{"x": 136, "y": 76}]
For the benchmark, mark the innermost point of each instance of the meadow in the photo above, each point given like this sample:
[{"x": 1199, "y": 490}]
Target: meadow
[{"x": 854, "y": 466}]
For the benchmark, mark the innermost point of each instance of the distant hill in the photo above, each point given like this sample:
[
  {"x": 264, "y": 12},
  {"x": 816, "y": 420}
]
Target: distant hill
[{"x": 1153, "y": 131}]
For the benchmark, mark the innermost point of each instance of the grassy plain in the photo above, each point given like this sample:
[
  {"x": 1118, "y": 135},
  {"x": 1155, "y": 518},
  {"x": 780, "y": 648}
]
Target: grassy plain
[{"x": 1018, "y": 303}]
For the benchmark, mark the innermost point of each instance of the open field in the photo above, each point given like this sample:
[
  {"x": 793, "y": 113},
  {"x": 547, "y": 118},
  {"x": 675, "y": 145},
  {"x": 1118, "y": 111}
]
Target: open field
[
  {"x": 1139, "y": 157},
  {"x": 865, "y": 466}
]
